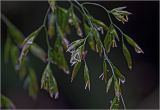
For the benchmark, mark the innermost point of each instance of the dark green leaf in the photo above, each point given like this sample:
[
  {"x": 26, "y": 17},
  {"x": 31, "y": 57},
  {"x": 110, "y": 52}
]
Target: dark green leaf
[
  {"x": 127, "y": 56},
  {"x": 14, "y": 55},
  {"x": 6, "y": 103},
  {"x": 75, "y": 70},
  {"x": 94, "y": 39},
  {"x": 98, "y": 41},
  {"x": 119, "y": 74},
  {"x": 109, "y": 84},
  {"x": 114, "y": 32},
  {"x": 91, "y": 43},
  {"x": 33, "y": 87},
  {"x": 73, "y": 19},
  {"x": 48, "y": 82},
  {"x": 110, "y": 38},
  {"x": 58, "y": 57},
  {"x": 22, "y": 68},
  {"x": 117, "y": 87},
  {"x": 7, "y": 49},
  {"x": 133, "y": 44},
  {"x": 105, "y": 70},
  {"x": 62, "y": 18},
  {"x": 90, "y": 39},
  {"x": 16, "y": 35},
  {"x": 108, "y": 41},
  {"x": 86, "y": 77},
  {"x": 31, "y": 83}
]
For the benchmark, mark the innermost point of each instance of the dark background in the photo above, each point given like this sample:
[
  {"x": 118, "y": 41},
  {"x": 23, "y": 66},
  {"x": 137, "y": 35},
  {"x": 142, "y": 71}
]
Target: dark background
[{"x": 141, "y": 89}]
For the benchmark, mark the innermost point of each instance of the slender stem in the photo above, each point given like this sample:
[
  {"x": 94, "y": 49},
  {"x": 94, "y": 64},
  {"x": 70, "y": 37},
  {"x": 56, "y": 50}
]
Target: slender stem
[
  {"x": 78, "y": 10},
  {"x": 104, "y": 51},
  {"x": 45, "y": 18},
  {"x": 76, "y": 7},
  {"x": 47, "y": 37},
  {"x": 119, "y": 31},
  {"x": 44, "y": 25},
  {"x": 84, "y": 13},
  {"x": 46, "y": 32},
  {"x": 123, "y": 101},
  {"x": 108, "y": 12}
]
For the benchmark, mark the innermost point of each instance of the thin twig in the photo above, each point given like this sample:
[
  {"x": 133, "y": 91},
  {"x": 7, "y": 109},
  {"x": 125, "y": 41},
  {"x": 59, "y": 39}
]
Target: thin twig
[
  {"x": 123, "y": 101},
  {"x": 119, "y": 31},
  {"x": 104, "y": 51},
  {"x": 45, "y": 18},
  {"x": 108, "y": 12}
]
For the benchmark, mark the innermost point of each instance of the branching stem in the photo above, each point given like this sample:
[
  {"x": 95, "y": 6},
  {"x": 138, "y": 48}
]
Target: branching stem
[
  {"x": 46, "y": 32},
  {"x": 108, "y": 12},
  {"x": 104, "y": 51},
  {"x": 45, "y": 18}
]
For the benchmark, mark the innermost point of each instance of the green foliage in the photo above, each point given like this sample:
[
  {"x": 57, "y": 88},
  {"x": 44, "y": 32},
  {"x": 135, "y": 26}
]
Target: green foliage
[
  {"x": 91, "y": 40},
  {"x": 58, "y": 56},
  {"x": 31, "y": 83},
  {"x": 15, "y": 34},
  {"x": 22, "y": 69},
  {"x": 127, "y": 56},
  {"x": 105, "y": 71},
  {"x": 117, "y": 87},
  {"x": 120, "y": 14},
  {"x": 98, "y": 23},
  {"x": 75, "y": 70},
  {"x": 27, "y": 43},
  {"x": 37, "y": 51},
  {"x": 86, "y": 77},
  {"x": 115, "y": 103},
  {"x": 133, "y": 44},
  {"x": 48, "y": 82},
  {"x": 109, "y": 84},
  {"x": 110, "y": 38},
  {"x": 14, "y": 54},
  {"x": 13, "y": 43},
  {"x": 7, "y": 48},
  {"x": 6, "y": 103},
  {"x": 60, "y": 21},
  {"x": 62, "y": 17},
  {"x": 118, "y": 74}
]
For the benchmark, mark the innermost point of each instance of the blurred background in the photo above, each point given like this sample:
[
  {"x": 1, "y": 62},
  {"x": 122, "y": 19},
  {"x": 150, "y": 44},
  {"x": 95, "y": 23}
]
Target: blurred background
[{"x": 141, "y": 89}]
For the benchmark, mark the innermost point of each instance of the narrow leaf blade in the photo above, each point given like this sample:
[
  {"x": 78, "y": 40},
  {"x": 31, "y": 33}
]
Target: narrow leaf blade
[
  {"x": 75, "y": 70},
  {"x": 109, "y": 84},
  {"x": 127, "y": 56},
  {"x": 86, "y": 77},
  {"x": 133, "y": 44},
  {"x": 6, "y": 103},
  {"x": 105, "y": 70},
  {"x": 48, "y": 82}
]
